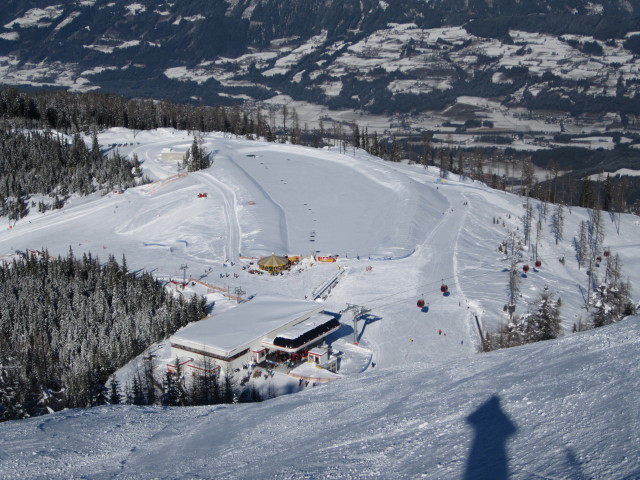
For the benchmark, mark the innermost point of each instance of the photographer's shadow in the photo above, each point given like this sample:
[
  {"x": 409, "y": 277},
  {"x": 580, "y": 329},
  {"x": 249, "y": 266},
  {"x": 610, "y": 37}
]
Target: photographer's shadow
[{"x": 488, "y": 455}]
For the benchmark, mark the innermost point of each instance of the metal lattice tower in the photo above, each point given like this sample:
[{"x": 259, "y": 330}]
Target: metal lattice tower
[{"x": 357, "y": 311}]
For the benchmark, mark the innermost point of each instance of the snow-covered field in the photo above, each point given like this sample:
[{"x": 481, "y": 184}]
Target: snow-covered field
[{"x": 562, "y": 409}]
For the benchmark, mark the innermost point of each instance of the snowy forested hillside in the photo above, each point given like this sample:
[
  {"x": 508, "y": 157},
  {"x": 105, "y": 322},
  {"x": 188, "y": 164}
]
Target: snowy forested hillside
[
  {"x": 63, "y": 166},
  {"x": 564, "y": 408}
]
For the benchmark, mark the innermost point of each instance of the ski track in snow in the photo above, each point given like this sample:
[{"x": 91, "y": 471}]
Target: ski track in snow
[
  {"x": 284, "y": 230},
  {"x": 233, "y": 233},
  {"x": 151, "y": 150},
  {"x": 404, "y": 422}
]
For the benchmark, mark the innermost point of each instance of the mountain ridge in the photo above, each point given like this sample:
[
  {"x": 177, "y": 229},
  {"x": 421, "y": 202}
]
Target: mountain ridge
[{"x": 131, "y": 48}]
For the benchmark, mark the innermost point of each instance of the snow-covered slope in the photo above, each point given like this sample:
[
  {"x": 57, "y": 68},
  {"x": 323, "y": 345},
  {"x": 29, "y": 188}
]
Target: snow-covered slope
[
  {"x": 399, "y": 232},
  {"x": 265, "y": 198},
  {"x": 560, "y": 409}
]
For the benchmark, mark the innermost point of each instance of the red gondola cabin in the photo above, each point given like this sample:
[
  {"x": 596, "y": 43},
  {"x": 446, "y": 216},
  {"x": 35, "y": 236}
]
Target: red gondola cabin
[
  {"x": 525, "y": 269},
  {"x": 420, "y": 303},
  {"x": 538, "y": 263}
]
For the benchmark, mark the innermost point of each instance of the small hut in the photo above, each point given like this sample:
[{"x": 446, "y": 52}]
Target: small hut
[{"x": 273, "y": 263}]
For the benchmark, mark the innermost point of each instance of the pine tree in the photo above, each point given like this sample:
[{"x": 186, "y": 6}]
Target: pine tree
[
  {"x": 180, "y": 395},
  {"x": 527, "y": 219},
  {"x": 196, "y": 159},
  {"x": 169, "y": 390},
  {"x": 135, "y": 394},
  {"x": 375, "y": 146},
  {"x": 295, "y": 128},
  {"x": 581, "y": 245},
  {"x": 528, "y": 176},
  {"x": 11, "y": 407},
  {"x": 228, "y": 390},
  {"x": 543, "y": 323},
  {"x": 557, "y": 223},
  {"x": 460, "y": 168},
  {"x": 442, "y": 156},
  {"x": 115, "y": 398},
  {"x": 96, "y": 155},
  {"x": 611, "y": 299},
  {"x": 204, "y": 387},
  {"x": 595, "y": 231},
  {"x": 285, "y": 114},
  {"x": 97, "y": 392},
  {"x": 607, "y": 204},
  {"x": 355, "y": 134},
  {"x": 149, "y": 385},
  {"x": 395, "y": 150},
  {"x": 586, "y": 194}
]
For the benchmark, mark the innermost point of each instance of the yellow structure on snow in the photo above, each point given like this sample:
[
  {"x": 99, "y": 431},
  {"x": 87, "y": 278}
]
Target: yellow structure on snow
[{"x": 273, "y": 263}]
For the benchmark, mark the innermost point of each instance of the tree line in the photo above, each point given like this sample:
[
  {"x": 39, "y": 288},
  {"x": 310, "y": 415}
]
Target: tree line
[
  {"x": 51, "y": 165},
  {"x": 85, "y": 112},
  {"x": 74, "y": 113},
  {"x": 206, "y": 385},
  {"x": 67, "y": 323}
]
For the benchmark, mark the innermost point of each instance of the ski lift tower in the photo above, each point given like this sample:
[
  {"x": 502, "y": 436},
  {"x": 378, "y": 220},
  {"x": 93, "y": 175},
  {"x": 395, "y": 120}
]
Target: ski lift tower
[
  {"x": 184, "y": 267},
  {"x": 239, "y": 292},
  {"x": 358, "y": 311}
]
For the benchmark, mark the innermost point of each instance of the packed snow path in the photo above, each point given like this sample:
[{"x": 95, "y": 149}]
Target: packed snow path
[
  {"x": 403, "y": 333},
  {"x": 232, "y": 249}
]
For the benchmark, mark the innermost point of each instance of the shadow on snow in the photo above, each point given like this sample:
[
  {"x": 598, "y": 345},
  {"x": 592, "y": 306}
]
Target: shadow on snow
[{"x": 488, "y": 458}]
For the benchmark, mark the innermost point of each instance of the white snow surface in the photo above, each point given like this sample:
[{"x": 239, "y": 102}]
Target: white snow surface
[
  {"x": 135, "y": 8},
  {"x": 571, "y": 406},
  {"x": 36, "y": 17},
  {"x": 432, "y": 407}
]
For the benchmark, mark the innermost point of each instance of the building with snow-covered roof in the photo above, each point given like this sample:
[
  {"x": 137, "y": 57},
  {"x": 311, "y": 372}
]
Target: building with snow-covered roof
[
  {"x": 173, "y": 157},
  {"x": 251, "y": 331}
]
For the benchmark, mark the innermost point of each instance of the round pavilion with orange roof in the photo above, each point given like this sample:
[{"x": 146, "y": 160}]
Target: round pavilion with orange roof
[{"x": 273, "y": 263}]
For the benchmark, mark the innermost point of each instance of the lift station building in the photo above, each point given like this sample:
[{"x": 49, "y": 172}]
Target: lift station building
[{"x": 252, "y": 331}]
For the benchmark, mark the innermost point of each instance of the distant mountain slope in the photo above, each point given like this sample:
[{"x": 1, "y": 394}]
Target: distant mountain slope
[{"x": 221, "y": 51}]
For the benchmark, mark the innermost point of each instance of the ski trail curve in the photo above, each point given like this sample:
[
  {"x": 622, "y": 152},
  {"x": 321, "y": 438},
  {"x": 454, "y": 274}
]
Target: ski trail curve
[{"x": 148, "y": 154}]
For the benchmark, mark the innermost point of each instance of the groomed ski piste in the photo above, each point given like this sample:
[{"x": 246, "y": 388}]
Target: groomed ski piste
[{"x": 560, "y": 409}]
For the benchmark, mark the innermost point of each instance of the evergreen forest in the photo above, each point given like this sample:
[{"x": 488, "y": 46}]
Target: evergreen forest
[
  {"x": 66, "y": 324},
  {"x": 52, "y": 167}
]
